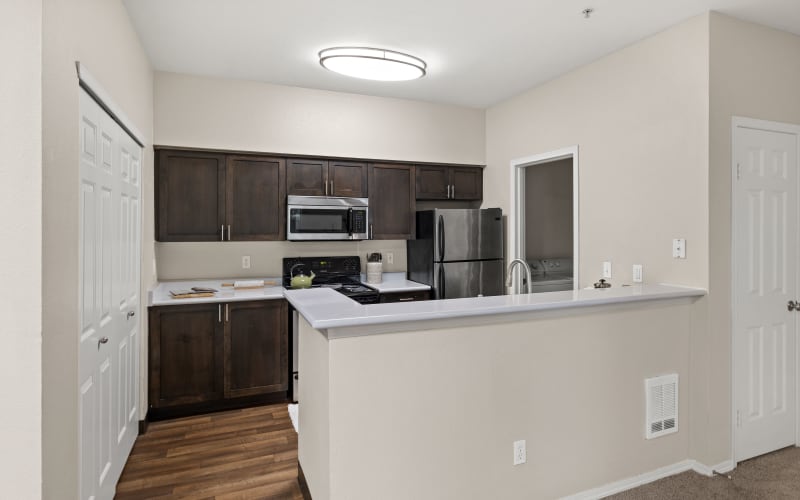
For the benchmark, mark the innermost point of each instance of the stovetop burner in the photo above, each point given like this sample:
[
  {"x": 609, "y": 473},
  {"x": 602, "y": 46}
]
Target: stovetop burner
[{"x": 339, "y": 273}]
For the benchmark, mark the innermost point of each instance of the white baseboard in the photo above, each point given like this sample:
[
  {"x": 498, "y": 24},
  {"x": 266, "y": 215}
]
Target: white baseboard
[
  {"x": 721, "y": 467},
  {"x": 649, "y": 477}
]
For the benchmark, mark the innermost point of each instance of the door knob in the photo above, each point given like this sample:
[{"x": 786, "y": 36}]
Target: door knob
[
  {"x": 102, "y": 340},
  {"x": 130, "y": 314},
  {"x": 793, "y": 305}
]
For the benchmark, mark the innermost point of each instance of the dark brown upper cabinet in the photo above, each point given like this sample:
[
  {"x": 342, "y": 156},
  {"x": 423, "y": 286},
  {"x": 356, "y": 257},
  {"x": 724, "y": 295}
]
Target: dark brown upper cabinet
[
  {"x": 467, "y": 183},
  {"x": 442, "y": 182},
  {"x": 190, "y": 200},
  {"x": 310, "y": 177},
  {"x": 306, "y": 177},
  {"x": 391, "y": 201},
  {"x": 348, "y": 179},
  {"x": 256, "y": 198},
  {"x": 216, "y": 197}
]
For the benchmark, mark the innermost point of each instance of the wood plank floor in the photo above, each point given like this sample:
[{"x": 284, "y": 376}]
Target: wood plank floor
[{"x": 242, "y": 454}]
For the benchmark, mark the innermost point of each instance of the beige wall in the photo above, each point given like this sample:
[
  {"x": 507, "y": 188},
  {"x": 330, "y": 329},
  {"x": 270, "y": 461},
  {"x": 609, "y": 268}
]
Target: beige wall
[
  {"x": 203, "y": 112},
  {"x": 21, "y": 202},
  {"x": 97, "y": 33},
  {"x": 754, "y": 73},
  {"x": 234, "y": 114},
  {"x": 224, "y": 260},
  {"x": 548, "y": 210},
  {"x": 639, "y": 117},
  {"x": 433, "y": 413}
]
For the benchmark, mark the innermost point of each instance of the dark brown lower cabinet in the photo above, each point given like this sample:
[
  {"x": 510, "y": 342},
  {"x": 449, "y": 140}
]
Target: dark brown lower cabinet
[
  {"x": 185, "y": 355},
  {"x": 256, "y": 348},
  {"x": 406, "y": 296},
  {"x": 204, "y": 357}
]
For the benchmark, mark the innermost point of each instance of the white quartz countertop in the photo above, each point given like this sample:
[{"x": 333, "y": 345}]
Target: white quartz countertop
[
  {"x": 326, "y": 309},
  {"x": 395, "y": 282},
  {"x": 160, "y": 296}
]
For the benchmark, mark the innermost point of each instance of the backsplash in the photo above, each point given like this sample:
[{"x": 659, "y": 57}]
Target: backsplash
[{"x": 224, "y": 259}]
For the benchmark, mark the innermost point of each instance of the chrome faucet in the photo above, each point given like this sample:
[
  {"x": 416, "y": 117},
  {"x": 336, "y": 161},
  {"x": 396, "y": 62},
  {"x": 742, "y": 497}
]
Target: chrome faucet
[{"x": 527, "y": 273}]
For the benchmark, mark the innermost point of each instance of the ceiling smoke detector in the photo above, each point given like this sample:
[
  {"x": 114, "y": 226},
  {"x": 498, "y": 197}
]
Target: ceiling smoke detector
[
  {"x": 372, "y": 64},
  {"x": 587, "y": 12}
]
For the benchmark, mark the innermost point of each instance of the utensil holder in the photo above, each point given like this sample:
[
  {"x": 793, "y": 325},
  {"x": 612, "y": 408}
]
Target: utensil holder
[{"x": 374, "y": 272}]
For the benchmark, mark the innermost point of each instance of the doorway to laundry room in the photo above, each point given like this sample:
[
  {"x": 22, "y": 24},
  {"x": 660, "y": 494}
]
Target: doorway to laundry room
[{"x": 544, "y": 218}]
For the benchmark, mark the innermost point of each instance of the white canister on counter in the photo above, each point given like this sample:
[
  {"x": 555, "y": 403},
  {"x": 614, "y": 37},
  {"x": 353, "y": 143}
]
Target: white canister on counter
[{"x": 374, "y": 272}]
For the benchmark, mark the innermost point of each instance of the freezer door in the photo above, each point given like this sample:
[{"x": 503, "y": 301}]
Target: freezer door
[
  {"x": 455, "y": 280},
  {"x": 468, "y": 234}
]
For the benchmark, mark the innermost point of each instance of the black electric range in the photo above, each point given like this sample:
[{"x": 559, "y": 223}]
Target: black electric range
[{"x": 343, "y": 274}]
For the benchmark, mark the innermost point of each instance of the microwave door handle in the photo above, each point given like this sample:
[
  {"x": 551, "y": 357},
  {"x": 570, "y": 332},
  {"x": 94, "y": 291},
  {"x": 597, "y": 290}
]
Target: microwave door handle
[{"x": 350, "y": 221}]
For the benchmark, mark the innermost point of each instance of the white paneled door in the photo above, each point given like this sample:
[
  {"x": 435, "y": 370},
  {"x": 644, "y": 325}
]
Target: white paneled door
[
  {"x": 765, "y": 285},
  {"x": 110, "y": 179}
]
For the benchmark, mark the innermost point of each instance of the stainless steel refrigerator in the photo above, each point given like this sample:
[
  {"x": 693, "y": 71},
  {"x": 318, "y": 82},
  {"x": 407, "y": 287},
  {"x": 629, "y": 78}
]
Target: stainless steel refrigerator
[{"x": 458, "y": 252}]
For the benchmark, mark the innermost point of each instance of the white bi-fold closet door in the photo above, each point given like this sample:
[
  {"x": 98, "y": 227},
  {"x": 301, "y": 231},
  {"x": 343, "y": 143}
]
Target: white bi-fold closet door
[
  {"x": 109, "y": 337},
  {"x": 765, "y": 278}
]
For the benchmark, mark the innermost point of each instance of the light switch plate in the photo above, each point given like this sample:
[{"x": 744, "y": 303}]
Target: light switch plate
[
  {"x": 607, "y": 269},
  {"x": 637, "y": 273},
  {"x": 245, "y": 262}
]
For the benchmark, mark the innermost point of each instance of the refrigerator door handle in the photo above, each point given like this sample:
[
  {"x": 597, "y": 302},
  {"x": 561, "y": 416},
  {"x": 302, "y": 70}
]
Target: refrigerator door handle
[
  {"x": 441, "y": 282},
  {"x": 441, "y": 238}
]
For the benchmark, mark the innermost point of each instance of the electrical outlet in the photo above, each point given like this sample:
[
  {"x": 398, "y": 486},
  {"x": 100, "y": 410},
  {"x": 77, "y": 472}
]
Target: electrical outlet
[
  {"x": 520, "y": 455},
  {"x": 390, "y": 258},
  {"x": 679, "y": 248},
  {"x": 245, "y": 262},
  {"x": 637, "y": 273},
  {"x": 607, "y": 269}
]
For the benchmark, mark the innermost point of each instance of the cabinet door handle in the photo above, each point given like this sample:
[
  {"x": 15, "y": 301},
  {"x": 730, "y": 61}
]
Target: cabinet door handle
[
  {"x": 227, "y": 313},
  {"x": 370, "y": 232},
  {"x": 331, "y": 187},
  {"x": 219, "y": 313},
  {"x": 326, "y": 186},
  {"x": 222, "y": 232},
  {"x": 452, "y": 191},
  {"x": 405, "y": 299},
  {"x": 229, "y": 232}
]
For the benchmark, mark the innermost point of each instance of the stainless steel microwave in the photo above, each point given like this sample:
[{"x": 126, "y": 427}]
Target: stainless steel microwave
[{"x": 326, "y": 218}]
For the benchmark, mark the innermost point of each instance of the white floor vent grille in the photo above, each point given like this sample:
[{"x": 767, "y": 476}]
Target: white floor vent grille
[{"x": 662, "y": 405}]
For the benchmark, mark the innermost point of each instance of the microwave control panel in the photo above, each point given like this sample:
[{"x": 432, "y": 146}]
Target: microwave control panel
[{"x": 359, "y": 222}]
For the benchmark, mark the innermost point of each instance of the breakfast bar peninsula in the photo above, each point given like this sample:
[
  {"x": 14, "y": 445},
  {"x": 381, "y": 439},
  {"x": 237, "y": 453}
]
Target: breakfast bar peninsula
[{"x": 425, "y": 400}]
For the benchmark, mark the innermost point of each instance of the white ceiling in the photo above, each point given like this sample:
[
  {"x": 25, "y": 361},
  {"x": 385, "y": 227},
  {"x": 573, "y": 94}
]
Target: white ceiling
[{"x": 479, "y": 52}]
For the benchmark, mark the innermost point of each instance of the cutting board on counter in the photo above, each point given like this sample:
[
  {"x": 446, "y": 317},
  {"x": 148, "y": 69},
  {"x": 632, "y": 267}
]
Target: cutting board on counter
[{"x": 244, "y": 284}]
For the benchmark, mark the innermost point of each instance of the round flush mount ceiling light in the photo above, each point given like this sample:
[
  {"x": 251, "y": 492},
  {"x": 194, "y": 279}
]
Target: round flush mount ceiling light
[{"x": 372, "y": 64}]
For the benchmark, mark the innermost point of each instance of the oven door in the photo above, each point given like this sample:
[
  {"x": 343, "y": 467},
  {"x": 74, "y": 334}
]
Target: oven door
[{"x": 318, "y": 223}]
